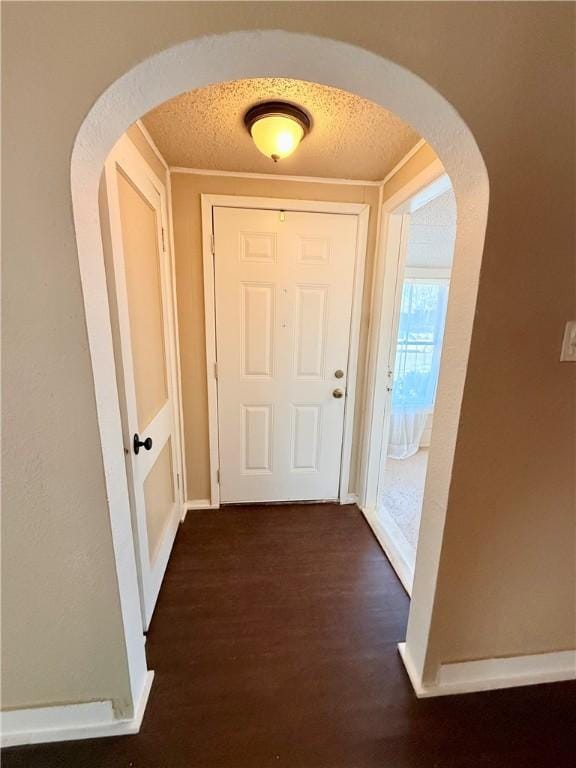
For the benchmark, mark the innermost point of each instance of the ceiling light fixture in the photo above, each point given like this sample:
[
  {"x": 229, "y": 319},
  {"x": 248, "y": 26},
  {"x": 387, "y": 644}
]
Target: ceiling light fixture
[{"x": 277, "y": 127}]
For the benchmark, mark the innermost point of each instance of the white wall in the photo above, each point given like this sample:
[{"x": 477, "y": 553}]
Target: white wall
[{"x": 432, "y": 233}]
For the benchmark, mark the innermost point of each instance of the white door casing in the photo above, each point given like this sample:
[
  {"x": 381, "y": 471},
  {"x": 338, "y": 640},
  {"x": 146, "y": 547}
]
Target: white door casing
[
  {"x": 283, "y": 294},
  {"x": 146, "y": 341},
  {"x": 399, "y": 226},
  {"x": 387, "y": 281}
]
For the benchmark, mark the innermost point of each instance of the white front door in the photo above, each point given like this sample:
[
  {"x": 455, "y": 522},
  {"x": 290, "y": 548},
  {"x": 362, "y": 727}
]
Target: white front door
[
  {"x": 283, "y": 291},
  {"x": 142, "y": 297}
]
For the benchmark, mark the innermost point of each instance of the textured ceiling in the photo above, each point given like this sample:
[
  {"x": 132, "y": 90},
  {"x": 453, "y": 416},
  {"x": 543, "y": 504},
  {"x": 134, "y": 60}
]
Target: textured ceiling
[
  {"x": 351, "y": 138},
  {"x": 432, "y": 233},
  {"x": 439, "y": 212}
]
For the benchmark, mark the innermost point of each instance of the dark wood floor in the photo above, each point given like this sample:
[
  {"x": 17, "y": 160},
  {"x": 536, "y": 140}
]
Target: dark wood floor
[{"x": 274, "y": 644}]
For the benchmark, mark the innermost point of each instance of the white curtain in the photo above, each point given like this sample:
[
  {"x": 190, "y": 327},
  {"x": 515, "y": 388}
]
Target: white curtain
[
  {"x": 406, "y": 430},
  {"x": 418, "y": 348}
]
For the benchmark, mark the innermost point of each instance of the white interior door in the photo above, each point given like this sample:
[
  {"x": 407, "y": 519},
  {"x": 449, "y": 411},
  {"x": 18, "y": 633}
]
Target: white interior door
[
  {"x": 283, "y": 291},
  {"x": 146, "y": 341}
]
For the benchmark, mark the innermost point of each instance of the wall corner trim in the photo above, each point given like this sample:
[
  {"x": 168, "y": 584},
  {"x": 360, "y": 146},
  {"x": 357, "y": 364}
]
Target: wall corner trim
[
  {"x": 402, "y": 162},
  {"x": 90, "y": 720},
  {"x": 492, "y": 674},
  {"x": 152, "y": 144}
]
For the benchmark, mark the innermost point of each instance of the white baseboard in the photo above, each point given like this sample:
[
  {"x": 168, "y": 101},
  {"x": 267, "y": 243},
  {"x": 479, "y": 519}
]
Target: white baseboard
[
  {"x": 201, "y": 504},
  {"x": 197, "y": 504},
  {"x": 395, "y": 548},
  {"x": 492, "y": 674},
  {"x": 92, "y": 720}
]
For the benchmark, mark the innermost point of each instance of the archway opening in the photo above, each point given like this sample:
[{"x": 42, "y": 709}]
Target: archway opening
[{"x": 235, "y": 56}]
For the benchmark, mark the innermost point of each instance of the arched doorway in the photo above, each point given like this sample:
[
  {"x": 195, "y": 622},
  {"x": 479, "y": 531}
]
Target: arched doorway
[{"x": 237, "y": 55}]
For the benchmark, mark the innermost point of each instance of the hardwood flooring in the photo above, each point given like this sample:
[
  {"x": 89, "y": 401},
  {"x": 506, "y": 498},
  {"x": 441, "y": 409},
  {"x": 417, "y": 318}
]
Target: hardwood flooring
[{"x": 274, "y": 644}]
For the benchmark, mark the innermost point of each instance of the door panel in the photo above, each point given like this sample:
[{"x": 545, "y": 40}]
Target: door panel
[
  {"x": 283, "y": 290},
  {"x": 141, "y": 263},
  {"x": 159, "y": 498},
  {"x": 305, "y": 437},
  {"x": 257, "y": 439},
  {"x": 257, "y": 329},
  {"x": 142, "y": 281},
  {"x": 310, "y": 332}
]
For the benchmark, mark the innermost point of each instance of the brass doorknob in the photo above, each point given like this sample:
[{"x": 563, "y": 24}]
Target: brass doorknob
[{"x": 337, "y": 393}]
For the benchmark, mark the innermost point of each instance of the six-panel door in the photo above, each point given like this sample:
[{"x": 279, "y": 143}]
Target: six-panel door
[{"x": 283, "y": 290}]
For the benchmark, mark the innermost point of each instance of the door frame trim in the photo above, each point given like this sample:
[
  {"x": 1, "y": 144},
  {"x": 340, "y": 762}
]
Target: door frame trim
[
  {"x": 362, "y": 212},
  {"x": 395, "y": 210},
  {"x": 389, "y": 266}
]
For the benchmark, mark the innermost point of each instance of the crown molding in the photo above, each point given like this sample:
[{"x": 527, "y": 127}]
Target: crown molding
[
  {"x": 274, "y": 177},
  {"x": 302, "y": 179},
  {"x": 152, "y": 143}
]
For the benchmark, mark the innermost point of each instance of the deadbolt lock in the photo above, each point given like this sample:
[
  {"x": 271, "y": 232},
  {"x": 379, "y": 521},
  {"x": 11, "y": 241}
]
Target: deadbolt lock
[{"x": 338, "y": 374}]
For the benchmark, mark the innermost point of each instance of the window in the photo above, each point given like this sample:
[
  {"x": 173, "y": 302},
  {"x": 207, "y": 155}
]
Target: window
[{"x": 419, "y": 343}]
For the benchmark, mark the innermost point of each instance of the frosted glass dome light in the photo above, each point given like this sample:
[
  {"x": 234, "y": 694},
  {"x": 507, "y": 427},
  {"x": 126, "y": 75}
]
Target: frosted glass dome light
[{"x": 277, "y": 128}]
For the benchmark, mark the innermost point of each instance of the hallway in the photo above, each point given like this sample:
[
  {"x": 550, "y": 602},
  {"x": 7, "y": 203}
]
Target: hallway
[{"x": 274, "y": 644}]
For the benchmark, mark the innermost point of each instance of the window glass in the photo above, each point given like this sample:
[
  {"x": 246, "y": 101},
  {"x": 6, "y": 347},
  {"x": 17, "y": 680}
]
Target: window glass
[{"x": 419, "y": 344}]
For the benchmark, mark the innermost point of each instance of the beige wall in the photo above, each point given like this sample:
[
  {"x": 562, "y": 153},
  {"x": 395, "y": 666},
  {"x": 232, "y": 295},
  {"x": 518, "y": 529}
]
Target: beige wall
[
  {"x": 507, "y": 573},
  {"x": 186, "y": 191}
]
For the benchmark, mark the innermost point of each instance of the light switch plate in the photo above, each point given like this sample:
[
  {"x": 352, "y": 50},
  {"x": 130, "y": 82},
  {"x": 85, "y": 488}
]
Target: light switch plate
[{"x": 568, "y": 353}]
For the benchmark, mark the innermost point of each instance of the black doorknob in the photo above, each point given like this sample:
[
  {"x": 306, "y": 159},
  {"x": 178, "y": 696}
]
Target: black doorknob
[{"x": 137, "y": 443}]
